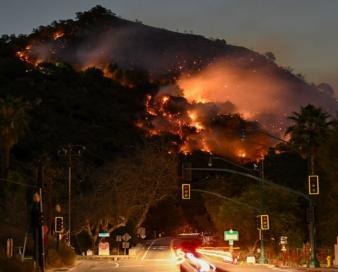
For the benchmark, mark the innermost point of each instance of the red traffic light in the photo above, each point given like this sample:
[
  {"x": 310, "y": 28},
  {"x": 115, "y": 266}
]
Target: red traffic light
[
  {"x": 185, "y": 191},
  {"x": 58, "y": 224},
  {"x": 313, "y": 185}
]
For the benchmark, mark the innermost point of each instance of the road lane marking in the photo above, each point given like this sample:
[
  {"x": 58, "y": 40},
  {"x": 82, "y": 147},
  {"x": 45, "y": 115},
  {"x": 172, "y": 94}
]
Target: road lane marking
[
  {"x": 142, "y": 265},
  {"x": 116, "y": 265},
  {"x": 132, "y": 265},
  {"x": 145, "y": 253},
  {"x": 157, "y": 260}
]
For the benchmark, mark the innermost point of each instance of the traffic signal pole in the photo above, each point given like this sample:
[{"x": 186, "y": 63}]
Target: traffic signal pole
[
  {"x": 313, "y": 260},
  {"x": 312, "y": 221},
  {"x": 262, "y": 258},
  {"x": 69, "y": 151},
  {"x": 312, "y": 231},
  {"x": 42, "y": 241}
]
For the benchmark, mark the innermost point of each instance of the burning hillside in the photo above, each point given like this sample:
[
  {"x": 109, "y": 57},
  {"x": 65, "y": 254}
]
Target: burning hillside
[
  {"x": 209, "y": 127},
  {"x": 209, "y": 88}
]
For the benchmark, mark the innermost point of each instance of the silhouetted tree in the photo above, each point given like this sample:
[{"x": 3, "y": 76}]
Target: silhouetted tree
[
  {"x": 125, "y": 190},
  {"x": 13, "y": 123},
  {"x": 309, "y": 128},
  {"x": 270, "y": 56}
]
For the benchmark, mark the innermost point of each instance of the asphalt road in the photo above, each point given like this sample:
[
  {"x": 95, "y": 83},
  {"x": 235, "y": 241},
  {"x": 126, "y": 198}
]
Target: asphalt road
[
  {"x": 160, "y": 266},
  {"x": 159, "y": 257},
  {"x": 156, "y": 258}
]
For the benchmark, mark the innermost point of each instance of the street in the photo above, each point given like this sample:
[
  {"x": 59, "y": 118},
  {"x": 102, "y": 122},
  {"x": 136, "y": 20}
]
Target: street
[
  {"x": 159, "y": 257},
  {"x": 160, "y": 266}
]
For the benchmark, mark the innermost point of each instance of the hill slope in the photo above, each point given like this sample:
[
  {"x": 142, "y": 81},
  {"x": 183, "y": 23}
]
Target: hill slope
[{"x": 200, "y": 81}]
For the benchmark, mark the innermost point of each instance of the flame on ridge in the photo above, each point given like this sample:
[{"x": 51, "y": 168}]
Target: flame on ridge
[{"x": 203, "y": 126}]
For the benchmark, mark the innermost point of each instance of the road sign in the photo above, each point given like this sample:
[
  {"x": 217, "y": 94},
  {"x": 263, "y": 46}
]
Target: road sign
[
  {"x": 118, "y": 238},
  {"x": 126, "y": 237},
  {"x": 103, "y": 234},
  {"x": 231, "y": 235},
  {"x": 104, "y": 248},
  {"x": 283, "y": 240},
  {"x": 125, "y": 245}
]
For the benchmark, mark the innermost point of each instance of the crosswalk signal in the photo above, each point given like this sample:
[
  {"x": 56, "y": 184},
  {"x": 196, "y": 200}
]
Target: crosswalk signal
[
  {"x": 313, "y": 185},
  {"x": 265, "y": 224},
  {"x": 186, "y": 191},
  {"x": 58, "y": 224}
]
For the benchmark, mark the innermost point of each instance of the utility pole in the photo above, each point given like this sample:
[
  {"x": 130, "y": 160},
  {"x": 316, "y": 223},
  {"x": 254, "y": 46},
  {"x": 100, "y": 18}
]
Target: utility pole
[
  {"x": 37, "y": 223},
  {"x": 69, "y": 151}
]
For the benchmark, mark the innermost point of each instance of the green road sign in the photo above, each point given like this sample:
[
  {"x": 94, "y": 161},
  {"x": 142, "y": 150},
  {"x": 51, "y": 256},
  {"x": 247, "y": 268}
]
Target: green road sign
[{"x": 231, "y": 235}]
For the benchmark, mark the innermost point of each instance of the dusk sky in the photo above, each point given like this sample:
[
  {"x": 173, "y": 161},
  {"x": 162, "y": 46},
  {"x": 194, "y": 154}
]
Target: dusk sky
[{"x": 303, "y": 34}]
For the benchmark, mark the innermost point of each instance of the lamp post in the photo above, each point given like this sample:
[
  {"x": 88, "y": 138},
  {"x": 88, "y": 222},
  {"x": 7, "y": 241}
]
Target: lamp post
[{"x": 69, "y": 151}]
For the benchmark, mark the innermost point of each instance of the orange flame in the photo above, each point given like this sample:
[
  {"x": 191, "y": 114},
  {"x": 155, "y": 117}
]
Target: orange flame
[{"x": 58, "y": 35}]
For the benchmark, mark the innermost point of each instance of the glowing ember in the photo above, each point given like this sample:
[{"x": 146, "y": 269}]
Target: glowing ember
[
  {"x": 241, "y": 154},
  {"x": 58, "y": 35}
]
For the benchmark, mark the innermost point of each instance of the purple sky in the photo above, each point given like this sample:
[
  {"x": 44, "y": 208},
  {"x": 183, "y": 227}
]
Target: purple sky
[{"x": 303, "y": 34}]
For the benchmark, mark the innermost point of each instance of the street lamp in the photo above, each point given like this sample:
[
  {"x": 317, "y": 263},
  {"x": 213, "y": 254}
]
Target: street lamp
[{"x": 70, "y": 151}]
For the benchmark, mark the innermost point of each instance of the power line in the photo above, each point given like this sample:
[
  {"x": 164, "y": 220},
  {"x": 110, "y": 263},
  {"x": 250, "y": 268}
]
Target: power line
[{"x": 18, "y": 183}]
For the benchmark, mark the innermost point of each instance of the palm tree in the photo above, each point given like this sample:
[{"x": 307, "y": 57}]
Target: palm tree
[
  {"x": 13, "y": 124},
  {"x": 310, "y": 127}
]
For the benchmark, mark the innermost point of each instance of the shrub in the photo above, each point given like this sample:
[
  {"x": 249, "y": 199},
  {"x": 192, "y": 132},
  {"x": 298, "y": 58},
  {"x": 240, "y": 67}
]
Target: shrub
[
  {"x": 54, "y": 258},
  {"x": 63, "y": 256}
]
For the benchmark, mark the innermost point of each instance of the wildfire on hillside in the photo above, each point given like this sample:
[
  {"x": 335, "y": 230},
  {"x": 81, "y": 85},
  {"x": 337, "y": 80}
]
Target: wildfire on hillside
[
  {"x": 206, "y": 105},
  {"x": 206, "y": 126},
  {"x": 206, "y": 111},
  {"x": 38, "y": 52},
  {"x": 25, "y": 56}
]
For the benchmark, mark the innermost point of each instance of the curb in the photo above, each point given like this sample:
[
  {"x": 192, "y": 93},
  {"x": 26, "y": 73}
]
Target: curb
[{"x": 109, "y": 257}]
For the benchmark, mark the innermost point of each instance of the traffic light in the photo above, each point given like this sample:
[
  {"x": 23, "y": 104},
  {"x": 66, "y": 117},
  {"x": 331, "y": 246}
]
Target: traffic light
[
  {"x": 265, "y": 224},
  {"x": 258, "y": 222},
  {"x": 313, "y": 185},
  {"x": 186, "y": 191},
  {"x": 58, "y": 224}
]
